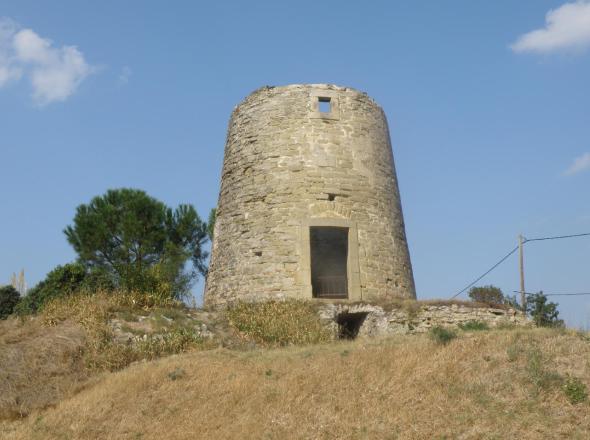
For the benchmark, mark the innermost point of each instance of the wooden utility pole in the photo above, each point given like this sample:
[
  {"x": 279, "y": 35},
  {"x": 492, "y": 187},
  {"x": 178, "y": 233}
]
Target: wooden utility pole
[{"x": 521, "y": 264}]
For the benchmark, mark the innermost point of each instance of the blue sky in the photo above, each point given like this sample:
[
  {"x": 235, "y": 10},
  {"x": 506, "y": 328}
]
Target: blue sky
[{"x": 488, "y": 105}]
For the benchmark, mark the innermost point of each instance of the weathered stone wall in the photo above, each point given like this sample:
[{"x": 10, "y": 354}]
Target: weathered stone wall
[
  {"x": 287, "y": 167},
  {"x": 380, "y": 322}
]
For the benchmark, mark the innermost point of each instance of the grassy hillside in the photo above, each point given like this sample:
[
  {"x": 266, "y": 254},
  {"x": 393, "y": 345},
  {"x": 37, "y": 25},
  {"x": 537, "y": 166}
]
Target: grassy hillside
[
  {"x": 51, "y": 356},
  {"x": 488, "y": 384}
]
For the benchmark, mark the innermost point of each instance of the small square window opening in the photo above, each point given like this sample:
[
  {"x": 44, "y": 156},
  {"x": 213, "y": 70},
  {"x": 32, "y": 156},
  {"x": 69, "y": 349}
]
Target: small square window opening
[{"x": 324, "y": 104}]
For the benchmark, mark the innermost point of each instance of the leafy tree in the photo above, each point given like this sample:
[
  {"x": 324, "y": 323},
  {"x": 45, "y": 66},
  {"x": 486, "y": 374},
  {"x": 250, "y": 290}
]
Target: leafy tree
[
  {"x": 9, "y": 298},
  {"x": 97, "y": 279},
  {"x": 65, "y": 280},
  {"x": 487, "y": 294},
  {"x": 188, "y": 236},
  {"x": 141, "y": 242},
  {"x": 211, "y": 223},
  {"x": 543, "y": 312}
]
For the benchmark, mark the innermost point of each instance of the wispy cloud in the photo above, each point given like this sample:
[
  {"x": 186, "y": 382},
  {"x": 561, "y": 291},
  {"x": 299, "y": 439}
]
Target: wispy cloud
[
  {"x": 566, "y": 28},
  {"x": 8, "y": 70},
  {"x": 124, "y": 75},
  {"x": 580, "y": 164},
  {"x": 55, "y": 73}
]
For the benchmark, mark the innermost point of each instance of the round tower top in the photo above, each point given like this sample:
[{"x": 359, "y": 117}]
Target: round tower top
[{"x": 318, "y": 88}]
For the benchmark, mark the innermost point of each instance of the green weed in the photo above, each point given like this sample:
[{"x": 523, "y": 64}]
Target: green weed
[
  {"x": 575, "y": 390},
  {"x": 471, "y": 326},
  {"x": 441, "y": 335}
]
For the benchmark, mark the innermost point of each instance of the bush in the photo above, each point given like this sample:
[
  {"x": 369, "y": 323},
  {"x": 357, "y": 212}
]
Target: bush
[
  {"x": 471, "y": 326},
  {"x": 441, "y": 335},
  {"x": 63, "y": 281},
  {"x": 278, "y": 323},
  {"x": 97, "y": 280},
  {"x": 9, "y": 298},
  {"x": 575, "y": 390},
  {"x": 487, "y": 295},
  {"x": 544, "y": 313}
]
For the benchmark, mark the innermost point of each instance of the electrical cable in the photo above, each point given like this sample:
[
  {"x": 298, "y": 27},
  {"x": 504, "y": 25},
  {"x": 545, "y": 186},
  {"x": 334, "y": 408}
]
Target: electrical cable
[
  {"x": 492, "y": 268},
  {"x": 526, "y": 240},
  {"x": 556, "y": 237},
  {"x": 555, "y": 294}
]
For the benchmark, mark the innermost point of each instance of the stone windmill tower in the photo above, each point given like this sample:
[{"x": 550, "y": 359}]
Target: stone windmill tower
[{"x": 309, "y": 204}]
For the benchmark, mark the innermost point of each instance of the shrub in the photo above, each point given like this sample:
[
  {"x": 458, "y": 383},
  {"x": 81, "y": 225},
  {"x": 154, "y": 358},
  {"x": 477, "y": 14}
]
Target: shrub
[
  {"x": 9, "y": 298},
  {"x": 471, "y": 326},
  {"x": 575, "y": 390},
  {"x": 63, "y": 281},
  {"x": 97, "y": 280},
  {"x": 487, "y": 294},
  {"x": 543, "y": 312},
  {"x": 278, "y": 323},
  {"x": 441, "y": 335}
]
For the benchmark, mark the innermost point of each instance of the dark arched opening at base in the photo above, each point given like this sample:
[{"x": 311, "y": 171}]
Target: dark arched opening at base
[{"x": 349, "y": 324}]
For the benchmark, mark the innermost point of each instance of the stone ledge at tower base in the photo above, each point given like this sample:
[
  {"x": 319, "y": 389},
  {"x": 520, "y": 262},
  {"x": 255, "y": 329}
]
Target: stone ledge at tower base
[{"x": 416, "y": 317}]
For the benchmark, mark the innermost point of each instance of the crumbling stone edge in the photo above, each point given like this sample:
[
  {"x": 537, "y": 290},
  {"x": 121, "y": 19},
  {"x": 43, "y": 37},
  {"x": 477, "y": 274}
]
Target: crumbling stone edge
[{"x": 381, "y": 322}]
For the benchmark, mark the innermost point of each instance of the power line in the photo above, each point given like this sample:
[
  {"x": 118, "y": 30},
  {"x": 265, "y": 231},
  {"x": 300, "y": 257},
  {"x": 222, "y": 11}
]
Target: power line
[
  {"x": 555, "y": 294},
  {"x": 557, "y": 237},
  {"x": 492, "y": 268},
  {"x": 526, "y": 240}
]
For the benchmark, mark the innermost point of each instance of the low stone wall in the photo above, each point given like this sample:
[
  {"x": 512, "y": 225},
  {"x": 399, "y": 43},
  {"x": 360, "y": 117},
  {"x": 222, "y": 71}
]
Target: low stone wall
[{"x": 372, "y": 321}]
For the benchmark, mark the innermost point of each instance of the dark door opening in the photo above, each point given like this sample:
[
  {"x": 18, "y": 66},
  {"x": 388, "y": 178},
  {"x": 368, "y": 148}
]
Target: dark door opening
[
  {"x": 329, "y": 254},
  {"x": 349, "y": 324}
]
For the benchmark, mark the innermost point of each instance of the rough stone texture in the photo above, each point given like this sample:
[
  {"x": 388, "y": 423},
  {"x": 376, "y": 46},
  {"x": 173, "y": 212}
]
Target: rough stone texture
[
  {"x": 287, "y": 167},
  {"x": 380, "y": 322}
]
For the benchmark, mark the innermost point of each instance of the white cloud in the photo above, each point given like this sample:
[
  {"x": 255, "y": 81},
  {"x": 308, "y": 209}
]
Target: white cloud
[
  {"x": 8, "y": 74},
  {"x": 580, "y": 164},
  {"x": 54, "y": 73},
  {"x": 566, "y": 28}
]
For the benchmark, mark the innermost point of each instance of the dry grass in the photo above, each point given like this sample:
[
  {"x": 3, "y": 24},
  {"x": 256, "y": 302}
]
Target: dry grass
[
  {"x": 278, "y": 323},
  {"x": 46, "y": 358},
  {"x": 102, "y": 351},
  {"x": 38, "y": 365},
  {"x": 490, "y": 385}
]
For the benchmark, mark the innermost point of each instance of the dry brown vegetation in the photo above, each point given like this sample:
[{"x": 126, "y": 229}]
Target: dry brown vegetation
[
  {"x": 38, "y": 365},
  {"x": 491, "y": 384},
  {"x": 46, "y": 358},
  {"x": 102, "y": 351},
  {"x": 278, "y": 323}
]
